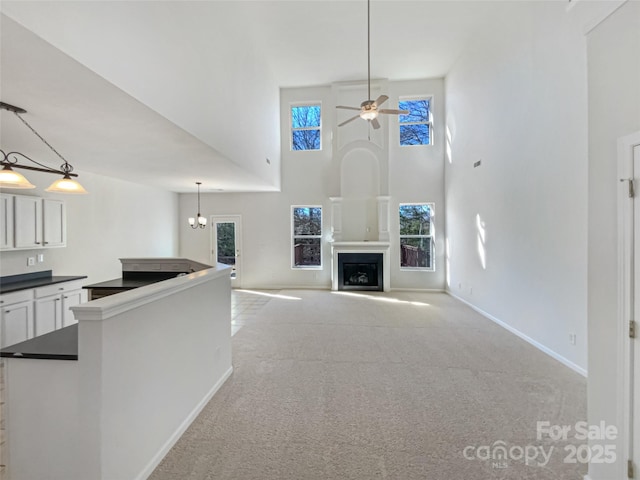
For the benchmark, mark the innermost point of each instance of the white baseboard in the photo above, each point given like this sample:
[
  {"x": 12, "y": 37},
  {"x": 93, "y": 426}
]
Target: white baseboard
[
  {"x": 586, "y": 477},
  {"x": 419, "y": 290},
  {"x": 157, "y": 458},
  {"x": 526, "y": 338}
]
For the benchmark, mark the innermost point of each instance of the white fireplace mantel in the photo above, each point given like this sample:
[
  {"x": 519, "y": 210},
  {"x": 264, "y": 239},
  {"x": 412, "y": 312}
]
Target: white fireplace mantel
[{"x": 361, "y": 247}]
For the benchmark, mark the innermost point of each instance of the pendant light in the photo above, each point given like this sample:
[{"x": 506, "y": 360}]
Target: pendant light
[
  {"x": 199, "y": 221},
  {"x": 12, "y": 179}
]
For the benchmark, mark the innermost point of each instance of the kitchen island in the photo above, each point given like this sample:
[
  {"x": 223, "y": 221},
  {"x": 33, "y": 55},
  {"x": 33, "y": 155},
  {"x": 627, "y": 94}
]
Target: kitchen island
[{"x": 148, "y": 360}]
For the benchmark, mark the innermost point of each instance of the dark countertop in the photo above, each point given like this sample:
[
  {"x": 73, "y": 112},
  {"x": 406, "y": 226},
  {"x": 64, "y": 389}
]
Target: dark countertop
[
  {"x": 14, "y": 283},
  {"x": 128, "y": 282},
  {"x": 60, "y": 344}
]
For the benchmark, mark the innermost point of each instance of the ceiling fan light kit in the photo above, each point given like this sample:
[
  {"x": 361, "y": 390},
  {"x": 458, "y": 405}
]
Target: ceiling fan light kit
[{"x": 369, "y": 110}]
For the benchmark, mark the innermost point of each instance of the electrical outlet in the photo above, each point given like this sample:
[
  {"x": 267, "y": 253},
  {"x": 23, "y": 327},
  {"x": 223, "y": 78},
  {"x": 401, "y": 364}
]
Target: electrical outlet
[
  {"x": 31, "y": 261},
  {"x": 572, "y": 338},
  {"x": 40, "y": 257}
]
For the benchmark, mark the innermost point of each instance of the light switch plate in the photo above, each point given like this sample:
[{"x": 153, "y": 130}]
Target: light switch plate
[{"x": 31, "y": 261}]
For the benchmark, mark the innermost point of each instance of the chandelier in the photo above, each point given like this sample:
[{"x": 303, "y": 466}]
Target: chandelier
[
  {"x": 199, "y": 221},
  {"x": 9, "y": 178}
]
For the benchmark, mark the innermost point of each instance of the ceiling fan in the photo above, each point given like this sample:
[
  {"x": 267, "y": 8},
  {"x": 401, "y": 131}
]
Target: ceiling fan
[{"x": 369, "y": 110}]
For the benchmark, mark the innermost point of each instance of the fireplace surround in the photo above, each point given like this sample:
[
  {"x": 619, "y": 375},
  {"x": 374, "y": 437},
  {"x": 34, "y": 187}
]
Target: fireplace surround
[{"x": 361, "y": 250}]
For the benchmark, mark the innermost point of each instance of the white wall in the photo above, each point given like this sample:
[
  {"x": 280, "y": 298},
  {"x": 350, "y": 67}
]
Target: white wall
[
  {"x": 517, "y": 224},
  {"x": 116, "y": 219},
  {"x": 412, "y": 174},
  {"x": 613, "y": 49}
]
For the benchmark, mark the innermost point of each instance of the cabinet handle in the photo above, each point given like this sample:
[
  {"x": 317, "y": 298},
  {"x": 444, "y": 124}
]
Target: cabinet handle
[
  {"x": 7, "y": 311},
  {"x": 37, "y": 243},
  {"x": 66, "y": 296},
  {"x": 60, "y": 288},
  {"x": 46, "y": 243},
  {"x": 56, "y": 299}
]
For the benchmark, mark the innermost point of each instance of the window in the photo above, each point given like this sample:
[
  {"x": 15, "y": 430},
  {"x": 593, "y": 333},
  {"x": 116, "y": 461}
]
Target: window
[
  {"x": 307, "y": 236},
  {"x": 305, "y": 127},
  {"x": 416, "y": 236},
  {"x": 415, "y": 128}
]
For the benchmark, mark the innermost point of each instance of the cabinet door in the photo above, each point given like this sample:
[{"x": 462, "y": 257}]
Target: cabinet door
[
  {"x": 28, "y": 221},
  {"x": 48, "y": 314},
  {"x": 6, "y": 221},
  {"x": 16, "y": 323},
  {"x": 71, "y": 299},
  {"x": 54, "y": 223}
]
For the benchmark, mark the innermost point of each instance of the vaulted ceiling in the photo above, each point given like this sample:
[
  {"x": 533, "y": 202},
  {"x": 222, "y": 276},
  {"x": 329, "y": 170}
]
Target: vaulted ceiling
[{"x": 169, "y": 92}]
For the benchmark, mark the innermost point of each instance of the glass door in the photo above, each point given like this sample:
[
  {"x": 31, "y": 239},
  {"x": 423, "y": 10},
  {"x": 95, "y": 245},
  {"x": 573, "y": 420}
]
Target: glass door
[{"x": 226, "y": 244}]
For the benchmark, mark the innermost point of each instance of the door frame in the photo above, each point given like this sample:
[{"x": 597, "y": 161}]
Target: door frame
[
  {"x": 237, "y": 219},
  {"x": 626, "y": 252}
]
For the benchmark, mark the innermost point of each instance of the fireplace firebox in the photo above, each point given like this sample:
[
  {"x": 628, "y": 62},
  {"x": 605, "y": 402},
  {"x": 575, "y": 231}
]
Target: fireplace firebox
[{"x": 360, "y": 271}]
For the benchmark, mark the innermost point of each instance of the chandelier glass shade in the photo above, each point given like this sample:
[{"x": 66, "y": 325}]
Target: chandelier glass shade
[{"x": 198, "y": 221}]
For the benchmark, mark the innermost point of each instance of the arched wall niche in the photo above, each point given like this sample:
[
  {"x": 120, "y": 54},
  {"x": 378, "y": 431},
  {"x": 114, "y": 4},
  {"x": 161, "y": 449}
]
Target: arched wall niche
[{"x": 360, "y": 187}]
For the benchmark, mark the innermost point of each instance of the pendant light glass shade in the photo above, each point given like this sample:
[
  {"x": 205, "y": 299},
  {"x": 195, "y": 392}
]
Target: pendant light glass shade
[
  {"x": 66, "y": 185},
  {"x": 11, "y": 179}
]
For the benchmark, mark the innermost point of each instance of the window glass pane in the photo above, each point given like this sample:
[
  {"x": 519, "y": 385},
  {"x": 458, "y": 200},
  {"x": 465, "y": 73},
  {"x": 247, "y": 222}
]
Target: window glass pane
[
  {"x": 415, "y": 252},
  {"x": 306, "y": 252},
  {"x": 305, "y": 140},
  {"x": 305, "y": 116},
  {"x": 418, "y": 110},
  {"x": 416, "y": 134},
  {"x": 226, "y": 242},
  {"x": 415, "y": 220},
  {"x": 307, "y": 221}
]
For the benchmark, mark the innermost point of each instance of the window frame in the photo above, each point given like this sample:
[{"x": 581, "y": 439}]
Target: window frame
[
  {"x": 294, "y": 236},
  {"x": 428, "y": 122},
  {"x": 298, "y": 129},
  {"x": 431, "y": 236}
]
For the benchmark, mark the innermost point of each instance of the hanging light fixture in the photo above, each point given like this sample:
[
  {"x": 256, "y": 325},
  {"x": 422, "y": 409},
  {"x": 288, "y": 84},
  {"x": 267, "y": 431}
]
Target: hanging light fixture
[
  {"x": 12, "y": 179},
  {"x": 199, "y": 221}
]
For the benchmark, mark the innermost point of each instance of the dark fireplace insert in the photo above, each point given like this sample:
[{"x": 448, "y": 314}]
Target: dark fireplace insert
[{"x": 360, "y": 271}]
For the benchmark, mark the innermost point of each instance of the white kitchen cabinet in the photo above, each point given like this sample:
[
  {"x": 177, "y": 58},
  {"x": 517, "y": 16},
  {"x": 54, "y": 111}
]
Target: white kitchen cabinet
[
  {"x": 27, "y": 217},
  {"x": 6, "y": 221},
  {"x": 71, "y": 299},
  {"x": 28, "y": 222},
  {"x": 32, "y": 312},
  {"x": 16, "y": 317},
  {"x": 52, "y": 305},
  {"x": 48, "y": 314},
  {"x": 54, "y": 231}
]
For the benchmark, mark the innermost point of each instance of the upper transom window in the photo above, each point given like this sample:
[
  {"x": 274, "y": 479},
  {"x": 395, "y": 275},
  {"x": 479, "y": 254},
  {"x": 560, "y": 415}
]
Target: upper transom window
[
  {"x": 415, "y": 128},
  {"x": 305, "y": 127}
]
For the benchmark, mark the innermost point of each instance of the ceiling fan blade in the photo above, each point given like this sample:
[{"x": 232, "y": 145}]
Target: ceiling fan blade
[
  {"x": 348, "y": 108},
  {"x": 381, "y": 99},
  {"x": 393, "y": 112},
  {"x": 375, "y": 124},
  {"x": 347, "y": 121}
]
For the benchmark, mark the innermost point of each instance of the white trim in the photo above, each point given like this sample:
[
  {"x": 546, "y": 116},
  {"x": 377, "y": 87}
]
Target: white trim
[
  {"x": 236, "y": 219},
  {"x": 586, "y": 477},
  {"x": 107, "y": 307},
  {"x": 171, "y": 441},
  {"x": 625, "y": 257},
  {"x": 524, "y": 337},
  {"x": 294, "y": 236}
]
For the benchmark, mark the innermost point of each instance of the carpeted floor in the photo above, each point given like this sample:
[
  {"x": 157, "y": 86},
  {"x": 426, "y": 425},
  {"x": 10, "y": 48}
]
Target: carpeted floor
[{"x": 401, "y": 386}]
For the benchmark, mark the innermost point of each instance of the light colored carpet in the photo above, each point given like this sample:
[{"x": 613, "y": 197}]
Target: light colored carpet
[{"x": 378, "y": 386}]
